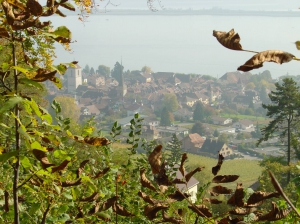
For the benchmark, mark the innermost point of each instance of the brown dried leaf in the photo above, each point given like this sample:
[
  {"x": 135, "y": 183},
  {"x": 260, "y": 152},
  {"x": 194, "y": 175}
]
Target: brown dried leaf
[
  {"x": 58, "y": 12},
  {"x": 169, "y": 219},
  {"x": 162, "y": 178},
  {"x": 80, "y": 213},
  {"x": 108, "y": 203},
  {"x": 274, "y": 214},
  {"x": 91, "y": 198},
  {"x": 179, "y": 196},
  {"x": 163, "y": 188},
  {"x": 229, "y": 40},
  {"x": 94, "y": 209},
  {"x": 95, "y": 141},
  {"x": 61, "y": 166},
  {"x": 120, "y": 210},
  {"x": 71, "y": 183},
  {"x": 145, "y": 182},
  {"x": 101, "y": 173},
  {"x": 201, "y": 210},
  {"x": 242, "y": 211},
  {"x": 42, "y": 157},
  {"x": 155, "y": 159},
  {"x": 43, "y": 75},
  {"x": 190, "y": 174},
  {"x": 221, "y": 190},
  {"x": 146, "y": 197},
  {"x": 81, "y": 167},
  {"x": 181, "y": 167},
  {"x": 213, "y": 194},
  {"x": 237, "y": 198},
  {"x": 212, "y": 200},
  {"x": 178, "y": 181},
  {"x": 258, "y": 197},
  {"x": 3, "y": 32},
  {"x": 217, "y": 168},
  {"x": 151, "y": 210},
  {"x": 34, "y": 7},
  {"x": 225, "y": 178},
  {"x": 271, "y": 56},
  {"x": 229, "y": 220}
]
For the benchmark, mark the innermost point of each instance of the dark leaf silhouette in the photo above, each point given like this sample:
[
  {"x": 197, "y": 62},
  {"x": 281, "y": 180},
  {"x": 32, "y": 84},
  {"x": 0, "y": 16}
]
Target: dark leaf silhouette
[
  {"x": 61, "y": 166},
  {"x": 94, "y": 209},
  {"x": 155, "y": 159},
  {"x": 91, "y": 198},
  {"x": 169, "y": 219},
  {"x": 229, "y": 40},
  {"x": 102, "y": 172},
  {"x": 162, "y": 178},
  {"x": 212, "y": 200},
  {"x": 274, "y": 214},
  {"x": 242, "y": 211},
  {"x": 178, "y": 196},
  {"x": 221, "y": 190},
  {"x": 146, "y": 197},
  {"x": 34, "y": 7},
  {"x": 71, "y": 183},
  {"x": 95, "y": 141},
  {"x": 270, "y": 56},
  {"x": 108, "y": 203},
  {"x": 190, "y": 174},
  {"x": 201, "y": 210},
  {"x": 81, "y": 167},
  {"x": 217, "y": 168},
  {"x": 120, "y": 210},
  {"x": 42, "y": 157},
  {"x": 257, "y": 197},
  {"x": 237, "y": 198},
  {"x": 6, "y": 201},
  {"x": 151, "y": 210},
  {"x": 181, "y": 167},
  {"x": 145, "y": 182},
  {"x": 225, "y": 178}
]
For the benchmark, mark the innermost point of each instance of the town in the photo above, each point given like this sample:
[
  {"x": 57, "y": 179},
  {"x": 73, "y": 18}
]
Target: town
[{"x": 207, "y": 115}]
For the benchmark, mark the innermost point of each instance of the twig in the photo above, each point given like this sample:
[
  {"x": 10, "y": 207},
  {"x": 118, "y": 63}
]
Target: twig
[
  {"x": 46, "y": 212},
  {"x": 2, "y": 81}
]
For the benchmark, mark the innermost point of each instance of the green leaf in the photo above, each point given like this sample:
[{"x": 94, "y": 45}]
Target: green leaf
[
  {"x": 34, "y": 208},
  {"x": 57, "y": 189},
  {"x": 5, "y": 66},
  {"x": 63, "y": 208},
  {"x": 25, "y": 162},
  {"x": 37, "y": 145},
  {"x": 61, "y": 68},
  {"x": 30, "y": 83},
  {"x": 28, "y": 73},
  {"x": 6, "y": 156},
  {"x": 11, "y": 103},
  {"x": 136, "y": 116},
  {"x": 67, "y": 196},
  {"x": 103, "y": 215}
]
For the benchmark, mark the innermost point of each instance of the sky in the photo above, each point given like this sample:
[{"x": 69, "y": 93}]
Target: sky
[{"x": 206, "y": 4}]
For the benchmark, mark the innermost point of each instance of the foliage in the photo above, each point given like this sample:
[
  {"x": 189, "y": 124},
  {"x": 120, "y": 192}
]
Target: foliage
[
  {"x": 165, "y": 118},
  {"x": 146, "y": 69},
  {"x": 199, "y": 128},
  {"x": 175, "y": 148},
  {"x": 199, "y": 112},
  {"x": 69, "y": 108},
  {"x": 170, "y": 102},
  {"x": 117, "y": 72},
  {"x": 223, "y": 137},
  {"x": 103, "y": 70}
]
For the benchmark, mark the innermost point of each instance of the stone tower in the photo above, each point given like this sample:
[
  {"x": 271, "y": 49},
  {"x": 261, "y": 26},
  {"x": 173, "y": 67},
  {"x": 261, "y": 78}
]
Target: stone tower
[{"x": 74, "y": 78}]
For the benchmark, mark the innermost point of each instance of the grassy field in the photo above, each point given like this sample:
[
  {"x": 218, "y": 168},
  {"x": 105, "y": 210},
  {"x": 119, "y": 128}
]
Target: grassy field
[{"x": 248, "y": 170}]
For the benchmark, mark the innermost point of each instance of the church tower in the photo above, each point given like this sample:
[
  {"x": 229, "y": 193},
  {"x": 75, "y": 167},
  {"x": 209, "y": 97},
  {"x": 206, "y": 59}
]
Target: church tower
[{"x": 74, "y": 78}]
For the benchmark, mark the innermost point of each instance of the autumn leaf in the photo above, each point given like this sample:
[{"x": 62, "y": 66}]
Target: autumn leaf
[
  {"x": 61, "y": 166},
  {"x": 258, "y": 197},
  {"x": 71, "y": 183},
  {"x": 201, "y": 210},
  {"x": 81, "y": 167},
  {"x": 297, "y": 43},
  {"x": 34, "y": 7},
  {"x": 242, "y": 211},
  {"x": 217, "y": 168},
  {"x": 145, "y": 182},
  {"x": 179, "y": 196},
  {"x": 43, "y": 75},
  {"x": 274, "y": 214},
  {"x": 91, "y": 198},
  {"x": 212, "y": 200},
  {"x": 169, "y": 219},
  {"x": 155, "y": 159},
  {"x": 120, "y": 210},
  {"x": 224, "y": 179},
  {"x": 94, "y": 209},
  {"x": 229, "y": 40},
  {"x": 94, "y": 141},
  {"x": 190, "y": 174},
  {"x": 146, "y": 197},
  {"x": 108, "y": 203},
  {"x": 237, "y": 198},
  {"x": 3, "y": 32},
  {"x": 151, "y": 210},
  {"x": 270, "y": 56},
  {"x": 221, "y": 190},
  {"x": 42, "y": 157},
  {"x": 101, "y": 173},
  {"x": 181, "y": 167}
]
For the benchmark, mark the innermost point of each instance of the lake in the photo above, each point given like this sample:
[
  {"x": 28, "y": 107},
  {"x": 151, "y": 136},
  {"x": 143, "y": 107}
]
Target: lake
[{"x": 175, "y": 43}]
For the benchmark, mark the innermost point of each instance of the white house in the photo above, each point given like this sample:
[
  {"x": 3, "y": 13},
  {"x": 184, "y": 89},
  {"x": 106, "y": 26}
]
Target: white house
[{"x": 243, "y": 124}]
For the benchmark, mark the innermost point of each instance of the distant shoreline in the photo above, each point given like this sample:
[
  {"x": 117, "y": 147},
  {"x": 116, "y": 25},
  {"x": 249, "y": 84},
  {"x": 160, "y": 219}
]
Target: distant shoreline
[{"x": 212, "y": 12}]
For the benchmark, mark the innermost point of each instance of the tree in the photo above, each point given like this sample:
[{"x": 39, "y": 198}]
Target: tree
[
  {"x": 92, "y": 71},
  {"x": 146, "y": 69},
  {"x": 284, "y": 112},
  {"x": 103, "y": 70},
  {"x": 174, "y": 146},
  {"x": 263, "y": 95},
  {"x": 199, "y": 112},
  {"x": 117, "y": 72},
  {"x": 216, "y": 133},
  {"x": 170, "y": 102},
  {"x": 223, "y": 137},
  {"x": 165, "y": 119},
  {"x": 69, "y": 107},
  {"x": 86, "y": 69},
  {"x": 198, "y": 128}
]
